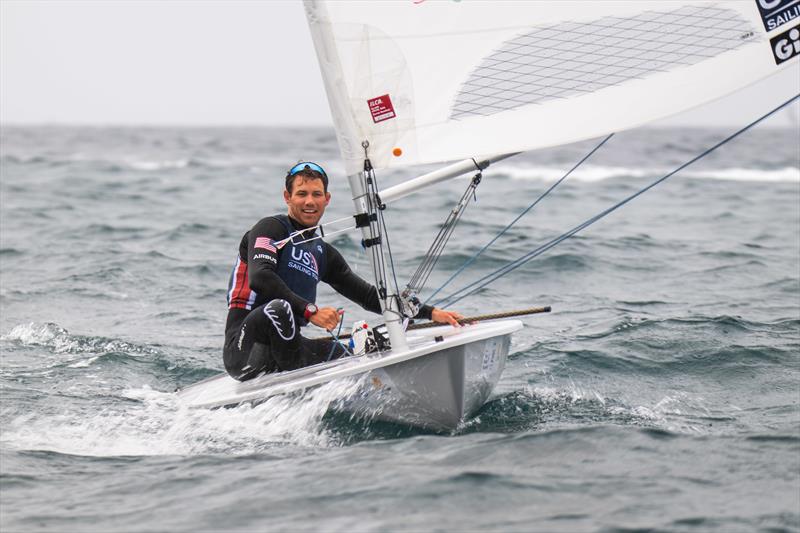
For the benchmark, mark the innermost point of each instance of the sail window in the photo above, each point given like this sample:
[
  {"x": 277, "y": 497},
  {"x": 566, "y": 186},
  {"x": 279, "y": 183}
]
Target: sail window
[{"x": 573, "y": 58}]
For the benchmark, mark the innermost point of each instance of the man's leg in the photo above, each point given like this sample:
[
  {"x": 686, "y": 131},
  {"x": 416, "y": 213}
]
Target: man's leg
[
  {"x": 269, "y": 340},
  {"x": 247, "y": 351},
  {"x": 321, "y": 350},
  {"x": 295, "y": 350}
]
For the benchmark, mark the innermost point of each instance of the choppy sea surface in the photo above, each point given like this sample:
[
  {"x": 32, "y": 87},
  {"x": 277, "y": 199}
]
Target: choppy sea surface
[{"x": 661, "y": 394}]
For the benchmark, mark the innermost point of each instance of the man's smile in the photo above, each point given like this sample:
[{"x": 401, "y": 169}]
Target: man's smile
[{"x": 307, "y": 201}]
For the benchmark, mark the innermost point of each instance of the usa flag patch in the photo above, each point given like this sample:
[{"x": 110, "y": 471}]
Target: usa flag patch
[{"x": 265, "y": 243}]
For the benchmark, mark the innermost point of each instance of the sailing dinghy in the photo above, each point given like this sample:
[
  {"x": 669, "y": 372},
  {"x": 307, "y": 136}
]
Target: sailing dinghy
[
  {"x": 437, "y": 382},
  {"x": 421, "y": 82}
]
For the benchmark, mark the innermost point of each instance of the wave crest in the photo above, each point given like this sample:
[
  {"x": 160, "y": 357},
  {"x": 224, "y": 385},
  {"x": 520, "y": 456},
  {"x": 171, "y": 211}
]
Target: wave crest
[
  {"x": 596, "y": 173},
  {"x": 59, "y": 340}
]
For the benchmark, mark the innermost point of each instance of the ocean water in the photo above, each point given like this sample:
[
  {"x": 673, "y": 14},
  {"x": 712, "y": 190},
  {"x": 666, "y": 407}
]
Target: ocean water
[{"x": 661, "y": 394}]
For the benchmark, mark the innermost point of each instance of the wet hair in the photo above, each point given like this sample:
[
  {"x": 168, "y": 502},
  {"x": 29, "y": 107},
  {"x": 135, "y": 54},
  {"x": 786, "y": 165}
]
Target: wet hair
[{"x": 307, "y": 171}]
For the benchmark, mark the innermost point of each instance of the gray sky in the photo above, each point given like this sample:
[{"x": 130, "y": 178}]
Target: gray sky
[{"x": 205, "y": 63}]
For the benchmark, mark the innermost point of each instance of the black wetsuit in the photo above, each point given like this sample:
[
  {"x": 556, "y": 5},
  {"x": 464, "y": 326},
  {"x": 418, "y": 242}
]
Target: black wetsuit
[{"x": 268, "y": 292}]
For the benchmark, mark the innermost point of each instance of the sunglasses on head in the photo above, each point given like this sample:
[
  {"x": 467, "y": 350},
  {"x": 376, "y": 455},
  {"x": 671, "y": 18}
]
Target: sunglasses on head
[{"x": 306, "y": 165}]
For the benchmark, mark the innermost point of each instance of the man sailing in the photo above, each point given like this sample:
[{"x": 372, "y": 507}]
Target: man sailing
[{"x": 273, "y": 289}]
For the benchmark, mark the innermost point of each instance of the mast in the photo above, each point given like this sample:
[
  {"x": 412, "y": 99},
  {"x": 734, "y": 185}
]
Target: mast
[{"x": 367, "y": 204}]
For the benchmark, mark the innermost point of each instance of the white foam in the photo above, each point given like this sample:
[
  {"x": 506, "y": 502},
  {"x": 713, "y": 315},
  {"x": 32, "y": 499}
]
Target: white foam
[
  {"x": 679, "y": 412},
  {"x": 586, "y": 173},
  {"x": 158, "y": 165},
  {"x": 162, "y": 425},
  {"x": 785, "y": 174},
  {"x": 574, "y": 393},
  {"x": 83, "y": 363},
  {"x": 33, "y": 334},
  {"x": 59, "y": 340},
  {"x": 595, "y": 173},
  {"x": 676, "y": 412}
]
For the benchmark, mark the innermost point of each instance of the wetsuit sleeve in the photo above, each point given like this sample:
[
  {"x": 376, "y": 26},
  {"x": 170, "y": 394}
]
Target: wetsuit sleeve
[
  {"x": 425, "y": 312},
  {"x": 262, "y": 264},
  {"x": 347, "y": 283},
  {"x": 350, "y": 285}
]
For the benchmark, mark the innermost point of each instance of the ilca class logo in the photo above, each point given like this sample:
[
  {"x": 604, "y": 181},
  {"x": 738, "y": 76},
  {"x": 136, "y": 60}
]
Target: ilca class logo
[
  {"x": 776, "y": 13},
  {"x": 381, "y": 108},
  {"x": 786, "y": 45}
]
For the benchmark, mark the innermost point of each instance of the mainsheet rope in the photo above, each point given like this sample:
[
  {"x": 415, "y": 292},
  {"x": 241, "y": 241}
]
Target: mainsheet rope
[{"x": 475, "y": 286}]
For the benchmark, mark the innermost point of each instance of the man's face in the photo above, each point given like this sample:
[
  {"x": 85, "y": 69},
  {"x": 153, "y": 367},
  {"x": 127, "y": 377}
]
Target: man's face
[{"x": 307, "y": 201}]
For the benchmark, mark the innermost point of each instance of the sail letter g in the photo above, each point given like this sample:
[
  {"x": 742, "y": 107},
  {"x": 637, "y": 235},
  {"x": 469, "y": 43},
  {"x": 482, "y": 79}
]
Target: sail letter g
[{"x": 786, "y": 48}]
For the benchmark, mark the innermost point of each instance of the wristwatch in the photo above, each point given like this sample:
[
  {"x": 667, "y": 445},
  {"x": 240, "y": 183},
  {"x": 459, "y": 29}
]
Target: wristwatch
[{"x": 310, "y": 310}]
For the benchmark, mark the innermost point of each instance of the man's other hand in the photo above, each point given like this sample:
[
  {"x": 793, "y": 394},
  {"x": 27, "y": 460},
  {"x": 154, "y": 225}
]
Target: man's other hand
[{"x": 446, "y": 317}]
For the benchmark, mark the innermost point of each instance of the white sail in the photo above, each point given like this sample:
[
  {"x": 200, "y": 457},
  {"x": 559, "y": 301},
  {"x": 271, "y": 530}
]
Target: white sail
[{"x": 431, "y": 81}]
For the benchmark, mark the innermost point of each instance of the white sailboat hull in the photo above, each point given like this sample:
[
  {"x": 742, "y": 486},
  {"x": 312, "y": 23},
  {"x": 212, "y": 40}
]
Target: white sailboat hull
[
  {"x": 444, "y": 377},
  {"x": 437, "y": 391}
]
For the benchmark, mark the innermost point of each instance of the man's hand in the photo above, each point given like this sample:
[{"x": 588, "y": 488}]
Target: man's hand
[
  {"x": 326, "y": 318},
  {"x": 446, "y": 317}
]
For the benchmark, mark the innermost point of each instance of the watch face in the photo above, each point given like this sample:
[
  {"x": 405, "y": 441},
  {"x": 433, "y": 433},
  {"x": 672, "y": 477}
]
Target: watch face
[{"x": 311, "y": 308}]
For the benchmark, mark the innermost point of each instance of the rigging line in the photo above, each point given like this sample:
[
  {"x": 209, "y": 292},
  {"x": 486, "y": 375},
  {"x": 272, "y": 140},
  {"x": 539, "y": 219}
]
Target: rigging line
[
  {"x": 379, "y": 225},
  {"x": 391, "y": 265},
  {"x": 315, "y": 237},
  {"x": 442, "y": 245},
  {"x": 378, "y": 267},
  {"x": 391, "y": 257},
  {"x": 426, "y": 268},
  {"x": 377, "y": 252},
  {"x": 479, "y": 284},
  {"x": 423, "y": 272},
  {"x": 375, "y": 244},
  {"x": 337, "y": 336},
  {"x": 437, "y": 247},
  {"x": 523, "y": 213},
  {"x": 385, "y": 231},
  {"x": 281, "y": 243}
]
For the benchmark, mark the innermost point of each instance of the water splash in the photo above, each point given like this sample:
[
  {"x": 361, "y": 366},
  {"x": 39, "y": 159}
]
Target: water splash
[
  {"x": 59, "y": 340},
  {"x": 158, "y": 423}
]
